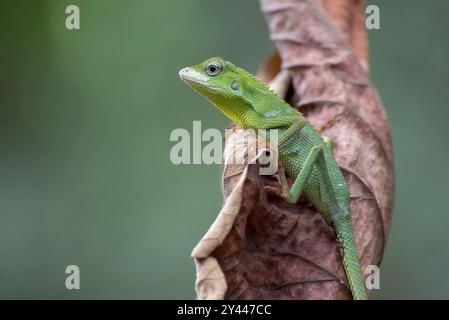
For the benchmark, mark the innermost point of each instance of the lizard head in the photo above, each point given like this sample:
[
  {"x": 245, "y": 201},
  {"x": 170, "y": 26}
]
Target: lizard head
[{"x": 223, "y": 84}]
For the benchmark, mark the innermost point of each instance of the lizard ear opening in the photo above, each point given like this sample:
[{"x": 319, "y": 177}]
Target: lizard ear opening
[{"x": 235, "y": 85}]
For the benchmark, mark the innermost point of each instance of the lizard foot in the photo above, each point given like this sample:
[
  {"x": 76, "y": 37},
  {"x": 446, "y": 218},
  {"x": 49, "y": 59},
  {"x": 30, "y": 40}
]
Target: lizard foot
[
  {"x": 276, "y": 192},
  {"x": 273, "y": 190}
]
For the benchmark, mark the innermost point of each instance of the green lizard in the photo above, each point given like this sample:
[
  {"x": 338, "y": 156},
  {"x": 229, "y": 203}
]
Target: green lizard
[{"x": 306, "y": 156}]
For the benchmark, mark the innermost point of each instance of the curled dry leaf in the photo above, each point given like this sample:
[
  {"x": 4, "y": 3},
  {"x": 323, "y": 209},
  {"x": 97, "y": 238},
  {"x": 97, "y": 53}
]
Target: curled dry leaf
[
  {"x": 349, "y": 17},
  {"x": 260, "y": 247}
]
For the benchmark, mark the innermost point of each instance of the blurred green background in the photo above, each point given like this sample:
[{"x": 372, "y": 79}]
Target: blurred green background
[{"x": 85, "y": 119}]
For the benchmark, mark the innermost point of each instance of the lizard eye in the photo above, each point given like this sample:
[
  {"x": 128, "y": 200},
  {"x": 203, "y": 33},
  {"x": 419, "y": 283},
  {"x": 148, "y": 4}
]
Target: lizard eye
[{"x": 213, "y": 68}]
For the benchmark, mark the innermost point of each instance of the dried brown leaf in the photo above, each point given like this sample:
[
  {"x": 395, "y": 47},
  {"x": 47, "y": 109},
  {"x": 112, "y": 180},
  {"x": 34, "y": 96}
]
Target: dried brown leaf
[
  {"x": 266, "y": 248},
  {"x": 349, "y": 17}
]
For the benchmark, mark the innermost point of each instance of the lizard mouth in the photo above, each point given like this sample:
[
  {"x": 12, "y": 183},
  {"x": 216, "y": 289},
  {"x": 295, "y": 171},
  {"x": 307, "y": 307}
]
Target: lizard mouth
[{"x": 190, "y": 75}]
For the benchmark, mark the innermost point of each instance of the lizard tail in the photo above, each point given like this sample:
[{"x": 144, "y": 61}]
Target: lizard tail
[{"x": 348, "y": 250}]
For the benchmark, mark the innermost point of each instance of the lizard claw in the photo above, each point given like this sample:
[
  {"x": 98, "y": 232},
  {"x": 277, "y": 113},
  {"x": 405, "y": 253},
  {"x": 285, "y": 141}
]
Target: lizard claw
[
  {"x": 278, "y": 193},
  {"x": 274, "y": 191}
]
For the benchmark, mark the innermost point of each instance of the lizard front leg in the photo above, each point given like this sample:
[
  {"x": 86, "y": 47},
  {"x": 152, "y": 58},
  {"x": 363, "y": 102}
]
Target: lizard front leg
[
  {"x": 286, "y": 193},
  {"x": 293, "y": 194}
]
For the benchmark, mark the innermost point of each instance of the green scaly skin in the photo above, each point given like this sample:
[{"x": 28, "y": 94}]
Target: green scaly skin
[{"x": 304, "y": 154}]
